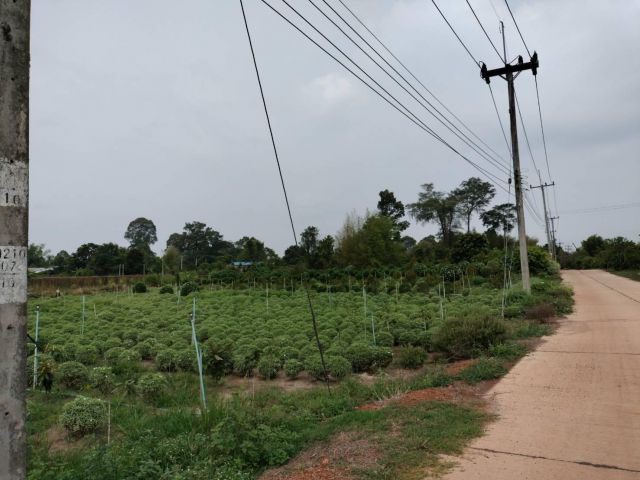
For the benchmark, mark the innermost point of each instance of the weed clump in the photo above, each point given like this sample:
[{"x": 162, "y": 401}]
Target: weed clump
[
  {"x": 83, "y": 415},
  {"x": 469, "y": 337}
]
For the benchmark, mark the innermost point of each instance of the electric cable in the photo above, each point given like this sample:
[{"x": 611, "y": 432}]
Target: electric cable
[
  {"x": 485, "y": 32},
  {"x": 284, "y": 189}
]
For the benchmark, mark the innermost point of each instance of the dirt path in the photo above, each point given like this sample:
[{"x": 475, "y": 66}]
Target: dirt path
[{"x": 571, "y": 409}]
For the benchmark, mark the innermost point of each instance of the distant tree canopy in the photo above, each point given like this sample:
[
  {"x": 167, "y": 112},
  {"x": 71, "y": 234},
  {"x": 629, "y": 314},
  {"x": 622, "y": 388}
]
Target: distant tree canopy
[
  {"x": 199, "y": 244},
  {"x": 501, "y": 218},
  {"x": 473, "y": 195},
  {"x": 393, "y": 209},
  {"x": 141, "y": 232},
  {"x": 438, "y": 207},
  {"x": 596, "y": 252}
]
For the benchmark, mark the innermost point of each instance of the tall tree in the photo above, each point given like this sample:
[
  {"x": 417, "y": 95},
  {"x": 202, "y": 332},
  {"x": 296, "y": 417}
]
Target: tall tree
[
  {"x": 38, "y": 255},
  {"x": 199, "y": 243},
  {"x": 438, "y": 207},
  {"x": 309, "y": 241},
  {"x": 392, "y": 208},
  {"x": 141, "y": 232},
  {"x": 500, "y": 218},
  {"x": 474, "y": 195}
]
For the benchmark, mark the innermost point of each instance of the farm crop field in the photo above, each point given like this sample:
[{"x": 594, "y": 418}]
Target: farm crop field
[{"x": 126, "y": 403}]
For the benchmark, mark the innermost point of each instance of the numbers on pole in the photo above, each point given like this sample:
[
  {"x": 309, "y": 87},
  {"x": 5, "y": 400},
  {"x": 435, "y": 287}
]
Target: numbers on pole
[
  {"x": 13, "y": 274},
  {"x": 14, "y": 182}
]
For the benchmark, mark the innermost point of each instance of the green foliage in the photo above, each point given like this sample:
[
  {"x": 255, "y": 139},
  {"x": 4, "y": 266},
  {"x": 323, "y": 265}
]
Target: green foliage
[
  {"x": 384, "y": 339},
  {"x": 166, "y": 289},
  {"x": 139, "y": 287},
  {"x": 188, "y": 288},
  {"x": 73, "y": 375},
  {"x": 469, "y": 337},
  {"x": 166, "y": 360},
  {"x": 367, "y": 358},
  {"x": 102, "y": 379},
  {"x": 339, "y": 367},
  {"x": 83, "y": 415},
  {"x": 411, "y": 357},
  {"x": 293, "y": 367},
  {"x": 523, "y": 329},
  {"x": 268, "y": 367},
  {"x": 151, "y": 385},
  {"x": 484, "y": 369},
  {"x": 508, "y": 351}
]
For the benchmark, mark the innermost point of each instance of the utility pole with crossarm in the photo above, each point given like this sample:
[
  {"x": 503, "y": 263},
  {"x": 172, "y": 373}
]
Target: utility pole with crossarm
[
  {"x": 546, "y": 215},
  {"x": 509, "y": 72}
]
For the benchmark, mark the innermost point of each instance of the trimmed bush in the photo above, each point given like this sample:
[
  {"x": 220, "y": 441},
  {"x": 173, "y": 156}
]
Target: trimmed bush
[
  {"x": 139, "y": 287},
  {"x": 73, "y": 375},
  {"x": 166, "y": 289},
  {"x": 187, "y": 288},
  {"x": 102, "y": 379},
  {"x": 245, "y": 360},
  {"x": 384, "y": 339},
  {"x": 469, "y": 337},
  {"x": 268, "y": 367},
  {"x": 186, "y": 359},
  {"x": 83, "y": 415},
  {"x": 151, "y": 385},
  {"x": 339, "y": 367},
  {"x": 293, "y": 367},
  {"x": 411, "y": 357},
  {"x": 367, "y": 358},
  {"x": 87, "y": 354},
  {"x": 166, "y": 360}
]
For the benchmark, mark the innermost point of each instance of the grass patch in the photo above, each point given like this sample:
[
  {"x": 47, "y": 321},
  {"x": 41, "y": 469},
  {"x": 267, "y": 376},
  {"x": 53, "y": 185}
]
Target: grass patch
[
  {"x": 521, "y": 329},
  {"x": 508, "y": 351},
  {"x": 630, "y": 274},
  {"x": 484, "y": 369}
]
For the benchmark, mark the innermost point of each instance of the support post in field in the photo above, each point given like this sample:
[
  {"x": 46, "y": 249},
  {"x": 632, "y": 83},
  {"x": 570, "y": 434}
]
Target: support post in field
[
  {"x": 14, "y": 215},
  {"x": 35, "y": 353}
]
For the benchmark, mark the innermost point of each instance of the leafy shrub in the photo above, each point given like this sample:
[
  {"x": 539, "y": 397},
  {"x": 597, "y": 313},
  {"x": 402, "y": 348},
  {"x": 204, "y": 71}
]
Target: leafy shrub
[
  {"x": 508, "y": 351},
  {"x": 245, "y": 360},
  {"x": 188, "y": 287},
  {"x": 139, "y": 287},
  {"x": 166, "y": 360},
  {"x": 484, "y": 369},
  {"x": 186, "y": 359},
  {"x": 384, "y": 339},
  {"x": 130, "y": 356},
  {"x": 313, "y": 365},
  {"x": 83, "y": 415},
  {"x": 148, "y": 348},
  {"x": 217, "y": 357},
  {"x": 268, "y": 367},
  {"x": 87, "y": 354},
  {"x": 113, "y": 355},
  {"x": 151, "y": 385},
  {"x": 525, "y": 329},
  {"x": 541, "y": 312},
  {"x": 469, "y": 337},
  {"x": 411, "y": 357},
  {"x": 166, "y": 289},
  {"x": 292, "y": 367},
  {"x": 102, "y": 379},
  {"x": 73, "y": 375},
  {"x": 339, "y": 367},
  {"x": 365, "y": 357}
]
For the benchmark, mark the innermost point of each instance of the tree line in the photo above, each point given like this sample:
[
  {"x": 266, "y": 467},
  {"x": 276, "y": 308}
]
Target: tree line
[{"x": 371, "y": 240}]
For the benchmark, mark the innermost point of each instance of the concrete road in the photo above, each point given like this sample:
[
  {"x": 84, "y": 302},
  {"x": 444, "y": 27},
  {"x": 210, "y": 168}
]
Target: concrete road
[{"x": 571, "y": 409}]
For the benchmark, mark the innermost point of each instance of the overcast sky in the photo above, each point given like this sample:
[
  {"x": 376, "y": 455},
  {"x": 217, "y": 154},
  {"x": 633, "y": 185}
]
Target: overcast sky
[{"x": 151, "y": 108}]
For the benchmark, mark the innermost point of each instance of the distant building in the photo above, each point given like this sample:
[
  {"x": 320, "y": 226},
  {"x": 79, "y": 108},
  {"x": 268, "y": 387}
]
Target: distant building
[{"x": 241, "y": 264}]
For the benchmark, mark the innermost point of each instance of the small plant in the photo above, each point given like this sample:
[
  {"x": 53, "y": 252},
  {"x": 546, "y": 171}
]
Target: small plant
[
  {"x": 102, "y": 379},
  {"x": 151, "y": 385},
  {"x": 72, "y": 375},
  {"x": 139, "y": 287},
  {"x": 188, "y": 287},
  {"x": 268, "y": 367},
  {"x": 339, "y": 367},
  {"x": 166, "y": 289},
  {"x": 292, "y": 368},
  {"x": 166, "y": 361},
  {"x": 83, "y": 415},
  {"x": 484, "y": 369},
  {"x": 469, "y": 337},
  {"x": 508, "y": 351},
  {"x": 411, "y": 357},
  {"x": 365, "y": 357}
]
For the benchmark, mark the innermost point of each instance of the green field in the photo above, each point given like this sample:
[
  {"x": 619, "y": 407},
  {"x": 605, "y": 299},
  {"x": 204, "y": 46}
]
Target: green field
[{"x": 134, "y": 352}]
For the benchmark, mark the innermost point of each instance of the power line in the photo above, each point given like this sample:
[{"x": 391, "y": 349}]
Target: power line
[
  {"x": 517, "y": 27},
  {"x": 284, "y": 189},
  {"x": 474, "y": 146},
  {"x": 412, "y": 74},
  {"x": 526, "y": 137},
  {"x": 408, "y": 114},
  {"x": 504, "y": 134},
  {"x": 455, "y": 33},
  {"x": 485, "y": 32},
  {"x": 602, "y": 209}
]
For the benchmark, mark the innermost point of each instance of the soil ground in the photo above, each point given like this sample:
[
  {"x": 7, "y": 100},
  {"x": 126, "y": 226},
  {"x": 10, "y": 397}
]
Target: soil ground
[{"x": 571, "y": 409}]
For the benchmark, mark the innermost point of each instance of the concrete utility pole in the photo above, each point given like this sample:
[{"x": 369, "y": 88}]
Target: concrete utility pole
[
  {"x": 507, "y": 73},
  {"x": 546, "y": 216},
  {"x": 14, "y": 203},
  {"x": 553, "y": 235}
]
